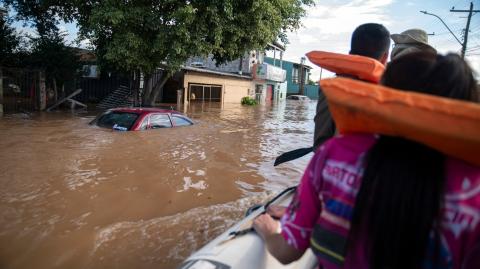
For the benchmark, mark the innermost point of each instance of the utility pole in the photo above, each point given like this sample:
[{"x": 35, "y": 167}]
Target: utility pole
[
  {"x": 3, "y": 13},
  {"x": 465, "y": 37},
  {"x": 302, "y": 80}
]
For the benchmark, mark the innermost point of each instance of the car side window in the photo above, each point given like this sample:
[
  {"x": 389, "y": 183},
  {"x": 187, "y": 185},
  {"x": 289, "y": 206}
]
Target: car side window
[
  {"x": 179, "y": 121},
  {"x": 160, "y": 121}
]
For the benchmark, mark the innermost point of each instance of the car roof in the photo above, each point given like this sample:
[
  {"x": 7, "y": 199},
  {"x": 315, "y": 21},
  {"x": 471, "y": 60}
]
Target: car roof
[{"x": 144, "y": 110}]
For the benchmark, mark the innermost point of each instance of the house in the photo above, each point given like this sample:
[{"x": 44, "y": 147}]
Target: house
[
  {"x": 270, "y": 80},
  {"x": 294, "y": 81},
  {"x": 195, "y": 84},
  {"x": 201, "y": 80}
]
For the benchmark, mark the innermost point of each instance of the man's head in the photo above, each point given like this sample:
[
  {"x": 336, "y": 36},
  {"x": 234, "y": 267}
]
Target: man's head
[
  {"x": 411, "y": 40},
  {"x": 371, "y": 40}
]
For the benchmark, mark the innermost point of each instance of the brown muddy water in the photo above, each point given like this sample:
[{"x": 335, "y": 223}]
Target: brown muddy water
[{"x": 77, "y": 196}]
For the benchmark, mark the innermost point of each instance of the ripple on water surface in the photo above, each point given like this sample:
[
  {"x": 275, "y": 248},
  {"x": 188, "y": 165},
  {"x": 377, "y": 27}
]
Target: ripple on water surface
[{"x": 78, "y": 196}]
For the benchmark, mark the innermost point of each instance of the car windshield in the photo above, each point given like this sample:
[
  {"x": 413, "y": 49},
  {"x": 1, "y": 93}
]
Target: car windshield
[{"x": 121, "y": 119}]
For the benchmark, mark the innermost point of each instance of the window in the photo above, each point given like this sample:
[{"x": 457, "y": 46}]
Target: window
[
  {"x": 295, "y": 75},
  {"x": 179, "y": 121},
  {"x": 160, "y": 121},
  {"x": 90, "y": 71},
  {"x": 205, "y": 93},
  {"x": 121, "y": 119}
]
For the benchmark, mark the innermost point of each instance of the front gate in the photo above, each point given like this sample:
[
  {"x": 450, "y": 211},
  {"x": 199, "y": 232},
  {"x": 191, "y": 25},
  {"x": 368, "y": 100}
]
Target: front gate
[{"x": 21, "y": 89}]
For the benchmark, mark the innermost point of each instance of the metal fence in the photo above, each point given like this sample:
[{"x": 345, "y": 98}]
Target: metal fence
[
  {"x": 95, "y": 90},
  {"x": 20, "y": 89}
]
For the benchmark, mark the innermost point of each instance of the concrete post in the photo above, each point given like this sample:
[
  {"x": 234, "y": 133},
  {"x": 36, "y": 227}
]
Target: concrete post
[
  {"x": 1, "y": 92},
  {"x": 42, "y": 94},
  {"x": 179, "y": 99}
]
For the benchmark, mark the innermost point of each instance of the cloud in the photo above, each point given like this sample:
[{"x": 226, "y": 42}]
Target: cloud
[
  {"x": 334, "y": 19},
  {"x": 328, "y": 26},
  {"x": 62, "y": 28},
  {"x": 474, "y": 62},
  {"x": 26, "y": 31},
  {"x": 307, "y": 39},
  {"x": 85, "y": 43}
]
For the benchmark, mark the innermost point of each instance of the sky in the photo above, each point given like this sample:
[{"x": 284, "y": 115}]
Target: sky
[{"x": 329, "y": 24}]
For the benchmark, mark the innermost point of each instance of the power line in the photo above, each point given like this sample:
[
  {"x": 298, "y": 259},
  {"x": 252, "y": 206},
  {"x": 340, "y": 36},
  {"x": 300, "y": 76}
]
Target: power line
[
  {"x": 473, "y": 48},
  {"x": 447, "y": 32},
  {"x": 467, "y": 28}
]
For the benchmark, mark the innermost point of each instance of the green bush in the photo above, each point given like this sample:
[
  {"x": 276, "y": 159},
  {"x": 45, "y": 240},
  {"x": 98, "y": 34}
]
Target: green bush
[{"x": 247, "y": 100}]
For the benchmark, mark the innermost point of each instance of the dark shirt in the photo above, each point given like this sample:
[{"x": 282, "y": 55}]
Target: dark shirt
[{"x": 324, "y": 124}]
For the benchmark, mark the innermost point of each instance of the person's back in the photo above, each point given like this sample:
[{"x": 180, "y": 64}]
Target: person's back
[
  {"x": 369, "y": 40},
  {"x": 411, "y": 203},
  {"x": 339, "y": 172},
  {"x": 369, "y": 201}
]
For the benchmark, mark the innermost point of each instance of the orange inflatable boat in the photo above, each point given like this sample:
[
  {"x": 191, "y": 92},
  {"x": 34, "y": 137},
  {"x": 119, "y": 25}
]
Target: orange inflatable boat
[{"x": 450, "y": 126}]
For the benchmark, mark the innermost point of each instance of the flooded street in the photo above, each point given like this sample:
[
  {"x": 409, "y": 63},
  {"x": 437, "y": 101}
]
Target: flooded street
[{"x": 77, "y": 196}]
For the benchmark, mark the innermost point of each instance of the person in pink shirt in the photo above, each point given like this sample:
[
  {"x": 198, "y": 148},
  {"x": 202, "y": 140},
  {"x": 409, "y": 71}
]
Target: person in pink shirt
[{"x": 373, "y": 201}]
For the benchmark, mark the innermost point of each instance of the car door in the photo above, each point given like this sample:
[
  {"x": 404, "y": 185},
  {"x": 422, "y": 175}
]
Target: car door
[{"x": 159, "y": 120}]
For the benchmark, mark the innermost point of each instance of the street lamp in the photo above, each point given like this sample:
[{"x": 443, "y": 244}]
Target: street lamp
[{"x": 458, "y": 40}]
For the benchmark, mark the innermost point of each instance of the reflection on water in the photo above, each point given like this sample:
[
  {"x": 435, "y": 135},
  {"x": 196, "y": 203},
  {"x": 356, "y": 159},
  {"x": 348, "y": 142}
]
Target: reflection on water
[{"x": 78, "y": 196}]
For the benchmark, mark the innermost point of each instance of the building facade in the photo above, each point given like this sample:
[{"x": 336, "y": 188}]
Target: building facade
[
  {"x": 203, "y": 80},
  {"x": 293, "y": 77}
]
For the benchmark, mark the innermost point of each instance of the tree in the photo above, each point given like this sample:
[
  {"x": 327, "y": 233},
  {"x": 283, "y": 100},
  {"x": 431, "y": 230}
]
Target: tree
[
  {"x": 43, "y": 15},
  {"x": 59, "y": 61},
  {"x": 9, "y": 44},
  {"x": 48, "y": 50},
  {"x": 140, "y": 36}
]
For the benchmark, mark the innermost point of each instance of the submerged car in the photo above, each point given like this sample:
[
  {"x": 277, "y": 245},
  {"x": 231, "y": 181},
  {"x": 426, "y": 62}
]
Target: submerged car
[
  {"x": 298, "y": 97},
  {"x": 137, "y": 119}
]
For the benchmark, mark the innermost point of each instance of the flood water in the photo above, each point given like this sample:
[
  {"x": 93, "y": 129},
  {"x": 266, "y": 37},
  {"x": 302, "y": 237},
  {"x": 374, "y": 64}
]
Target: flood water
[{"x": 78, "y": 196}]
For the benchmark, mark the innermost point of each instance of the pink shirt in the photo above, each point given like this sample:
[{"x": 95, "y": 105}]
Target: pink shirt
[{"x": 326, "y": 196}]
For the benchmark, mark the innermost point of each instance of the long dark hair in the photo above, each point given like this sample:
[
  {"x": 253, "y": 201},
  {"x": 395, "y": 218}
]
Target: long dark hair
[{"x": 401, "y": 195}]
